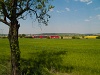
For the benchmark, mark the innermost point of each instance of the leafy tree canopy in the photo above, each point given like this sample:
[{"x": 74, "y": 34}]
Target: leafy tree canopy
[{"x": 39, "y": 8}]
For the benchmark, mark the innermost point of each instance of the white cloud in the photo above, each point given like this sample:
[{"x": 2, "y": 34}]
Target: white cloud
[
  {"x": 89, "y": 2},
  {"x": 98, "y": 16},
  {"x": 60, "y": 11},
  {"x": 75, "y": 0},
  {"x": 90, "y": 17},
  {"x": 95, "y": 18},
  {"x": 85, "y": 0},
  {"x": 87, "y": 20},
  {"x": 67, "y": 9}
]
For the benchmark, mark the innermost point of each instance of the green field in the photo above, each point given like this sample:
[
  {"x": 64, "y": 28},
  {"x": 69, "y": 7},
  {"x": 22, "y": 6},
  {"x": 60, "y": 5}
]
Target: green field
[{"x": 57, "y": 56}]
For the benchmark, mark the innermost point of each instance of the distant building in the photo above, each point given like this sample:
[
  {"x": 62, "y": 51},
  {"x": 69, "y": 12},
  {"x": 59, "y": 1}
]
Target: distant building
[
  {"x": 54, "y": 37},
  {"x": 40, "y": 36},
  {"x": 46, "y": 36}
]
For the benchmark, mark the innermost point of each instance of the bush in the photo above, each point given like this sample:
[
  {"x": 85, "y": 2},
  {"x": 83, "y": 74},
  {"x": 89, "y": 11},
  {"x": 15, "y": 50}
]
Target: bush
[
  {"x": 98, "y": 37},
  {"x": 48, "y": 37},
  {"x": 28, "y": 36},
  {"x": 61, "y": 37},
  {"x": 22, "y": 35},
  {"x": 75, "y": 37}
]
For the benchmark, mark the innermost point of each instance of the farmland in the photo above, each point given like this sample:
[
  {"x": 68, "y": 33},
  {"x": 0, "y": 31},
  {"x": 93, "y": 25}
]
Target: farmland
[{"x": 57, "y": 56}]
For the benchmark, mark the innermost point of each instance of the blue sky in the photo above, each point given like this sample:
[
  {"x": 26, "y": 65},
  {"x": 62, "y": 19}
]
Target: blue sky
[{"x": 68, "y": 16}]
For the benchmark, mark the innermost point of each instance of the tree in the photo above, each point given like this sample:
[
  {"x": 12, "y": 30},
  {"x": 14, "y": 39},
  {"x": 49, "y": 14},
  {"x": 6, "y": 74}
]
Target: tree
[
  {"x": 98, "y": 37},
  {"x": 61, "y": 37},
  {"x": 13, "y": 10},
  {"x": 21, "y": 35}
]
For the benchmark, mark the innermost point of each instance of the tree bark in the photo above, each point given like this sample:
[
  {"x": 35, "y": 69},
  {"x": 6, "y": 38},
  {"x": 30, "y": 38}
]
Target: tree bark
[{"x": 14, "y": 46}]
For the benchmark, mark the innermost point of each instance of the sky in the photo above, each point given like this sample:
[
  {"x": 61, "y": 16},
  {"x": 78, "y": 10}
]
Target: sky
[{"x": 68, "y": 16}]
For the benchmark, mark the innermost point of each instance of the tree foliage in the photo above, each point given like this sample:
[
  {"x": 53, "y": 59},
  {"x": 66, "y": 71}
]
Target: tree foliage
[
  {"x": 23, "y": 8},
  {"x": 98, "y": 37}
]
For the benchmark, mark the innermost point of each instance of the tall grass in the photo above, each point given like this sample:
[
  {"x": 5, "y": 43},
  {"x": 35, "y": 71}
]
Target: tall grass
[{"x": 54, "y": 56}]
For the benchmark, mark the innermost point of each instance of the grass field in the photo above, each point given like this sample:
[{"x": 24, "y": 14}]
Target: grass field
[{"x": 60, "y": 57}]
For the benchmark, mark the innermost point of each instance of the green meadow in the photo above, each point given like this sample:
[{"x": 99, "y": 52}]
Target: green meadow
[{"x": 54, "y": 56}]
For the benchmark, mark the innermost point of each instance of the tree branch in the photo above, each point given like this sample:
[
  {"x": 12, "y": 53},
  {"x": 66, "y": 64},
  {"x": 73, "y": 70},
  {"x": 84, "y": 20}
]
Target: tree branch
[
  {"x": 23, "y": 10},
  {"x": 5, "y": 22},
  {"x": 4, "y": 11}
]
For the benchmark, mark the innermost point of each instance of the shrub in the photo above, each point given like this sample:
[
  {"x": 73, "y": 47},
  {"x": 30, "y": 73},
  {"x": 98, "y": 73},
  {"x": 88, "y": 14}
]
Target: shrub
[
  {"x": 61, "y": 37},
  {"x": 98, "y": 37},
  {"x": 28, "y": 36},
  {"x": 48, "y": 37},
  {"x": 75, "y": 37}
]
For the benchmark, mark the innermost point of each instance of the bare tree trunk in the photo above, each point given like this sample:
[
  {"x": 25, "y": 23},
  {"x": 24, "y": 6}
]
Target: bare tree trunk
[{"x": 14, "y": 46}]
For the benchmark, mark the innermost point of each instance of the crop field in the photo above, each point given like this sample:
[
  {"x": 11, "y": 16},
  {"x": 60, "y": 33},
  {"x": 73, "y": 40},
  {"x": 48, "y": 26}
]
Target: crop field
[
  {"x": 54, "y": 56},
  {"x": 90, "y": 37}
]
